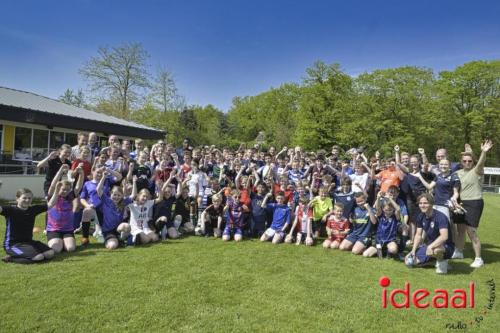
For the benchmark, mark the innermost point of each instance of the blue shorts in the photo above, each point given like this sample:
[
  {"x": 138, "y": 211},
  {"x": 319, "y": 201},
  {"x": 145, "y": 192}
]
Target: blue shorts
[
  {"x": 228, "y": 231},
  {"x": 423, "y": 258},
  {"x": 364, "y": 238}
]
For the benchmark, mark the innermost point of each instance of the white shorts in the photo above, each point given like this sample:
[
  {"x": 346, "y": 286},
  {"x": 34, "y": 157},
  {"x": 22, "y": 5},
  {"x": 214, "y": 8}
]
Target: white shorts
[{"x": 271, "y": 232}]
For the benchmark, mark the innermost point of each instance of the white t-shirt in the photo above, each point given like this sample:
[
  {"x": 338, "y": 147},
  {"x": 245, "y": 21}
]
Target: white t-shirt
[
  {"x": 361, "y": 179},
  {"x": 139, "y": 217},
  {"x": 197, "y": 178}
]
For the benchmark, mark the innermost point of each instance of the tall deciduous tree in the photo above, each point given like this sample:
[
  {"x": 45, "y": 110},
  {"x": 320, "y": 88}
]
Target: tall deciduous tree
[
  {"x": 119, "y": 72},
  {"x": 470, "y": 97},
  {"x": 69, "y": 97},
  {"x": 164, "y": 92}
]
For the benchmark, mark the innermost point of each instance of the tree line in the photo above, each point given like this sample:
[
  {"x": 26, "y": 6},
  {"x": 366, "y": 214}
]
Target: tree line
[{"x": 410, "y": 106}]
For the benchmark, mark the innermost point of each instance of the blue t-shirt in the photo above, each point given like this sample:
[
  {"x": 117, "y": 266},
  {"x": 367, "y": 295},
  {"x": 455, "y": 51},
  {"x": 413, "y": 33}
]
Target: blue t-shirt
[
  {"x": 281, "y": 215},
  {"x": 258, "y": 213},
  {"x": 112, "y": 215},
  {"x": 361, "y": 221},
  {"x": 387, "y": 228},
  {"x": 89, "y": 192},
  {"x": 346, "y": 199},
  {"x": 443, "y": 190},
  {"x": 403, "y": 210},
  {"x": 431, "y": 226}
]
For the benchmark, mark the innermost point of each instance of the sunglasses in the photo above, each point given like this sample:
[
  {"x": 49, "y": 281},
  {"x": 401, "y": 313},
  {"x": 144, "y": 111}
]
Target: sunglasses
[{"x": 467, "y": 161}]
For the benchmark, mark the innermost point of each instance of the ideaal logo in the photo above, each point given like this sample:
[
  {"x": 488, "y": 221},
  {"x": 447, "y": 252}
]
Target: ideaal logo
[
  {"x": 440, "y": 298},
  {"x": 422, "y": 298}
]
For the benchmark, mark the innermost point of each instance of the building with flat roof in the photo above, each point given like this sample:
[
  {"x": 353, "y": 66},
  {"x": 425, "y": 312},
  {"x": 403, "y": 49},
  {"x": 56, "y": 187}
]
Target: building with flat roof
[{"x": 32, "y": 125}]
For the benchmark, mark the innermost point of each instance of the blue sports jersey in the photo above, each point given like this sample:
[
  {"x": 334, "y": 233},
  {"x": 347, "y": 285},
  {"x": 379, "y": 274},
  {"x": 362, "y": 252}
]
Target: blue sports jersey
[
  {"x": 387, "y": 228},
  {"x": 234, "y": 215},
  {"x": 361, "y": 221},
  {"x": 346, "y": 199},
  {"x": 258, "y": 212},
  {"x": 281, "y": 215},
  {"x": 431, "y": 226},
  {"x": 443, "y": 190},
  {"x": 112, "y": 215},
  {"x": 295, "y": 176},
  {"x": 89, "y": 192}
]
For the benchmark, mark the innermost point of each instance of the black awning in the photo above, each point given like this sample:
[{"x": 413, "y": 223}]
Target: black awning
[{"x": 50, "y": 120}]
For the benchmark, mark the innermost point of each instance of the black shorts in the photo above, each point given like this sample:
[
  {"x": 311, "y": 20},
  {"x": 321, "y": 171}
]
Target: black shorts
[
  {"x": 26, "y": 250},
  {"x": 111, "y": 234},
  {"x": 474, "y": 210},
  {"x": 59, "y": 235}
]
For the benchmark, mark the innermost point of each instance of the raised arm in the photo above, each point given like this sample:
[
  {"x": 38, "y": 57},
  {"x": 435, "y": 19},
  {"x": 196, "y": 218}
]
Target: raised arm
[
  {"x": 45, "y": 162},
  {"x": 100, "y": 185},
  {"x": 57, "y": 178},
  {"x": 485, "y": 147},
  {"x": 55, "y": 196},
  {"x": 79, "y": 182}
]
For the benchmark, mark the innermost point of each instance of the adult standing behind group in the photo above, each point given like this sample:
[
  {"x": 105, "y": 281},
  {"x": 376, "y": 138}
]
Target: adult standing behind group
[{"x": 471, "y": 180}]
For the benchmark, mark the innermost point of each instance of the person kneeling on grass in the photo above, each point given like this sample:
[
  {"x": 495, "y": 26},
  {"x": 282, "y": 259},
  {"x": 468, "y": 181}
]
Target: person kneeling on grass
[
  {"x": 234, "y": 210},
  {"x": 359, "y": 238},
  {"x": 19, "y": 244},
  {"x": 62, "y": 205},
  {"x": 212, "y": 217},
  {"x": 281, "y": 218},
  {"x": 337, "y": 227},
  {"x": 437, "y": 233},
  {"x": 388, "y": 220},
  {"x": 302, "y": 223},
  {"x": 112, "y": 210},
  {"x": 141, "y": 214}
]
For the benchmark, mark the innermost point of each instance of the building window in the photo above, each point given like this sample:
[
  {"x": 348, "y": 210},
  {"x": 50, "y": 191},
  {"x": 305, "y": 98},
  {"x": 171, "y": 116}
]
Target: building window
[
  {"x": 71, "y": 139},
  {"x": 1, "y": 137},
  {"x": 56, "y": 140},
  {"x": 22, "y": 144},
  {"x": 40, "y": 144}
]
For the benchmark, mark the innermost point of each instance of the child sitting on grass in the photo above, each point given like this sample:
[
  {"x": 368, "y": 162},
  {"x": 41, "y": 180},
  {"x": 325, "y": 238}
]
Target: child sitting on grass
[
  {"x": 337, "y": 227},
  {"x": 18, "y": 243}
]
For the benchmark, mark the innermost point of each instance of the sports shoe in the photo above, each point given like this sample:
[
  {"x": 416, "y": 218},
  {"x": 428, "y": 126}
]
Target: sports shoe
[
  {"x": 457, "y": 255},
  {"x": 84, "y": 241},
  {"x": 478, "y": 262},
  {"x": 442, "y": 266},
  {"x": 7, "y": 258}
]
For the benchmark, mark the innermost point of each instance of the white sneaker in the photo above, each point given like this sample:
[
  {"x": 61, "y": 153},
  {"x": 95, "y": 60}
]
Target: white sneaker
[
  {"x": 442, "y": 267},
  {"x": 457, "y": 255},
  {"x": 478, "y": 262}
]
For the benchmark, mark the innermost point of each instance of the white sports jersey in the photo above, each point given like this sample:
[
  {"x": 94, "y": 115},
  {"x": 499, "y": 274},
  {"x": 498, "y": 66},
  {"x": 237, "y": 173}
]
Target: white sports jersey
[{"x": 139, "y": 217}]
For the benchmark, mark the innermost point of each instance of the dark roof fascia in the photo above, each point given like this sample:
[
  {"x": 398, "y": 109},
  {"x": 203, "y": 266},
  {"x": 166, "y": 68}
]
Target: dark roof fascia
[{"x": 22, "y": 115}]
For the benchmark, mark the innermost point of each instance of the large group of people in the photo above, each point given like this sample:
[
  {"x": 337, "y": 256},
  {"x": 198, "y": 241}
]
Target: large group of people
[{"x": 127, "y": 194}]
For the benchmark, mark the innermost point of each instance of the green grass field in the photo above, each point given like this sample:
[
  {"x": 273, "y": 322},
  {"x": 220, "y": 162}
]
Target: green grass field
[{"x": 204, "y": 285}]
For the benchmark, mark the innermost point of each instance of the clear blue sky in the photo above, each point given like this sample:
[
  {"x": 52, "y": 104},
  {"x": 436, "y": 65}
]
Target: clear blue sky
[{"x": 221, "y": 49}]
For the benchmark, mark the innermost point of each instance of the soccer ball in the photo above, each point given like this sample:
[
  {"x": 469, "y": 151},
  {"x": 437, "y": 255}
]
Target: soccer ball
[
  {"x": 198, "y": 231},
  {"x": 409, "y": 261}
]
